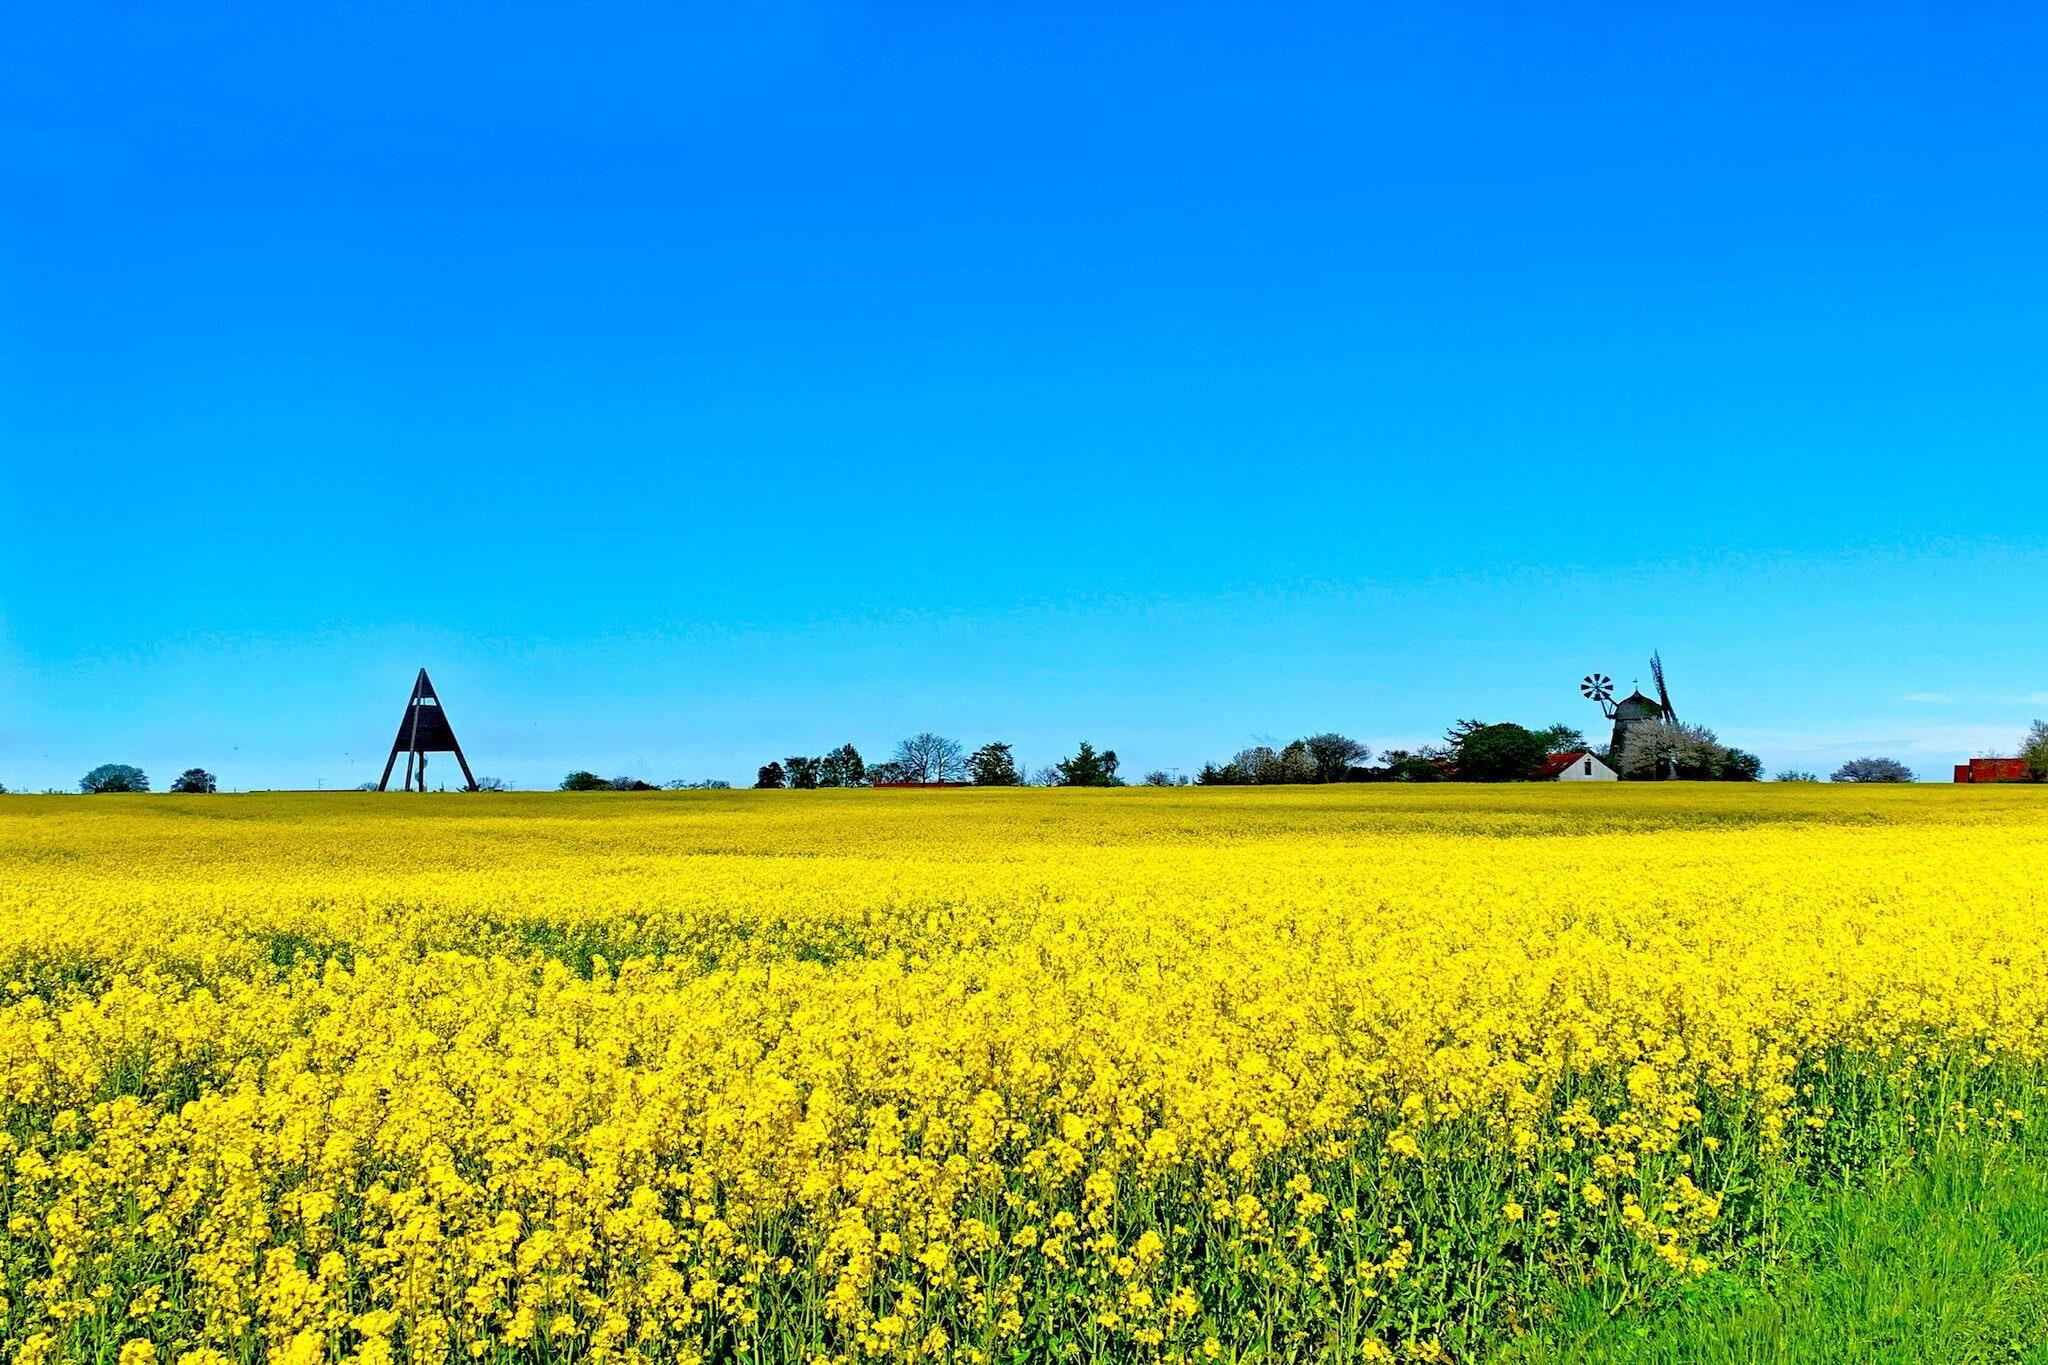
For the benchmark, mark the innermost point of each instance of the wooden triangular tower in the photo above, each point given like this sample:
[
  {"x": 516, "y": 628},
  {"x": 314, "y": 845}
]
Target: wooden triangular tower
[{"x": 423, "y": 730}]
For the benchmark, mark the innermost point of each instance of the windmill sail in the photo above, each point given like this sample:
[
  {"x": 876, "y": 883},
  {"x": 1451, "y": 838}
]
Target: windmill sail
[{"x": 1663, "y": 695}]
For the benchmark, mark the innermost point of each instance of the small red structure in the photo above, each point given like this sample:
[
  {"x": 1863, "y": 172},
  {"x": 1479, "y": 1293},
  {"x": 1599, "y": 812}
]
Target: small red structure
[{"x": 1994, "y": 770}]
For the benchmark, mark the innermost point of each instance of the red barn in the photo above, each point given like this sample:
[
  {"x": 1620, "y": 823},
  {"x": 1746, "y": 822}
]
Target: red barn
[{"x": 1994, "y": 770}]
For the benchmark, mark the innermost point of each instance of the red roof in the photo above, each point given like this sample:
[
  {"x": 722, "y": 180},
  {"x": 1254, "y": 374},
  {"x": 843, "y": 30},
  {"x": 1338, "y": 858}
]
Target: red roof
[
  {"x": 1993, "y": 770},
  {"x": 1557, "y": 763}
]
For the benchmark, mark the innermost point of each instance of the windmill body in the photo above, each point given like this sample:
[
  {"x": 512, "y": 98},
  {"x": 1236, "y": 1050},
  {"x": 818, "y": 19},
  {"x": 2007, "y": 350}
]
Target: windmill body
[{"x": 1633, "y": 714}]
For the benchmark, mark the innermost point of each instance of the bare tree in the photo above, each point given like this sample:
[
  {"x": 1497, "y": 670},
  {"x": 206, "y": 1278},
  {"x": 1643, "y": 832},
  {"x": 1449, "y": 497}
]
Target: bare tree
[
  {"x": 1872, "y": 770},
  {"x": 926, "y": 757}
]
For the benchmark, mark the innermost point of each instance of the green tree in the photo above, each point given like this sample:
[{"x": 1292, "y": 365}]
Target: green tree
[
  {"x": 1500, "y": 753},
  {"x": 1455, "y": 736},
  {"x": 1089, "y": 769},
  {"x": 584, "y": 781},
  {"x": 803, "y": 772},
  {"x": 194, "y": 780},
  {"x": 113, "y": 777},
  {"x": 1403, "y": 765},
  {"x": 843, "y": 767},
  {"x": 2035, "y": 751},
  {"x": 1562, "y": 739},
  {"x": 1739, "y": 765},
  {"x": 769, "y": 776},
  {"x": 992, "y": 765}
]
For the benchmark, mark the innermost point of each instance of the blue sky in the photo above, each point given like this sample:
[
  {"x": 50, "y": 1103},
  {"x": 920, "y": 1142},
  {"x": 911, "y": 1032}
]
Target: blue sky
[{"x": 687, "y": 386}]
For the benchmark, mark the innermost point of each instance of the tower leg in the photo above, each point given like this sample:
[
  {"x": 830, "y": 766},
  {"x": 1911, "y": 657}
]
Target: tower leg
[{"x": 468, "y": 777}]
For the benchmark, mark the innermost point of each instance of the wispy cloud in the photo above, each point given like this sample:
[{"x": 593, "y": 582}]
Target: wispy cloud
[{"x": 1975, "y": 698}]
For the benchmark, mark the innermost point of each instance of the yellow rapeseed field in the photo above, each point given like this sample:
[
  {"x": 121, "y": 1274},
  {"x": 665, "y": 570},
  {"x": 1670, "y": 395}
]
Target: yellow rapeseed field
[{"x": 1356, "y": 1072}]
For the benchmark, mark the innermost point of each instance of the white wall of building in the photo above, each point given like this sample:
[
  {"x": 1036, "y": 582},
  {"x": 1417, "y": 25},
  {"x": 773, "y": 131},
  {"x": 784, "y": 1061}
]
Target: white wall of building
[{"x": 1588, "y": 769}]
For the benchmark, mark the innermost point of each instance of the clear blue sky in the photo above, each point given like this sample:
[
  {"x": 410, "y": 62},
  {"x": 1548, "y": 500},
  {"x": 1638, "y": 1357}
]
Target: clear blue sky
[{"x": 688, "y": 386}]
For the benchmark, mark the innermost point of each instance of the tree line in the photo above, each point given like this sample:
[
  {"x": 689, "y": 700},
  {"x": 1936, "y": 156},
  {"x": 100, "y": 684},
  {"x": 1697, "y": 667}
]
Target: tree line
[
  {"x": 1476, "y": 751},
  {"x": 929, "y": 759},
  {"x": 1471, "y": 751}
]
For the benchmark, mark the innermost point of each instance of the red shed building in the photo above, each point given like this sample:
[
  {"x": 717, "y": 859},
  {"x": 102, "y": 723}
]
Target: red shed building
[{"x": 1994, "y": 770}]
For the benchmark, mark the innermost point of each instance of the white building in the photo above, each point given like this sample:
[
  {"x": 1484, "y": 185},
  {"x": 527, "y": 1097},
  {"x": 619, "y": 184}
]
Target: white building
[{"x": 1576, "y": 766}]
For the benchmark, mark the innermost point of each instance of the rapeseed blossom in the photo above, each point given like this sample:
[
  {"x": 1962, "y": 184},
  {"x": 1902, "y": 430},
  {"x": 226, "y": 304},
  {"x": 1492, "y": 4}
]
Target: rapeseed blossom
[{"x": 851, "y": 1076}]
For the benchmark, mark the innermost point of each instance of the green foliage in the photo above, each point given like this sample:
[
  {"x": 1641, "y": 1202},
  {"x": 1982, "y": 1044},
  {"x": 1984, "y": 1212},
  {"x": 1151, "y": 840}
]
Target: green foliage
[
  {"x": 770, "y": 776},
  {"x": 843, "y": 767},
  {"x": 1739, "y": 765},
  {"x": 803, "y": 772},
  {"x": 992, "y": 765},
  {"x": 1562, "y": 739},
  {"x": 195, "y": 781},
  {"x": 2035, "y": 750},
  {"x": 1403, "y": 765},
  {"x": 1087, "y": 768},
  {"x": 1947, "y": 1262},
  {"x": 113, "y": 777},
  {"x": 583, "y": 781},
  {"x": 1499, "y": 753}
]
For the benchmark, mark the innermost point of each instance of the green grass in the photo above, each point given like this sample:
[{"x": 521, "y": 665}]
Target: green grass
[{"x": 1948, "y": 1262}]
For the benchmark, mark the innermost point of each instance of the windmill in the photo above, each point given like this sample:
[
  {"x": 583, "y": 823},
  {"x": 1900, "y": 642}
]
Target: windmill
[{"x": 1632, "y": 713}]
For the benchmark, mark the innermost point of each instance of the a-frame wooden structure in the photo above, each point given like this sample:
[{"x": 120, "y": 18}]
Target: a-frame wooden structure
[{"x": 423, "y": 730}]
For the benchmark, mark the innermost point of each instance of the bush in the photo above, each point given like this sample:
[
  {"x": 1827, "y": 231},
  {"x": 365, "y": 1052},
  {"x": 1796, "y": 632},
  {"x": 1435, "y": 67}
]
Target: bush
[
  {"x": 113, "y": 777},
  {"x": 195, "y": 781},
  {"x": 582, "y": 781}
]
